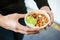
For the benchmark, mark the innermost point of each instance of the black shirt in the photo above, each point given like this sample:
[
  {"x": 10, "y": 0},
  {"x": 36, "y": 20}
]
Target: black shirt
[{"x": 17, "y": 6}]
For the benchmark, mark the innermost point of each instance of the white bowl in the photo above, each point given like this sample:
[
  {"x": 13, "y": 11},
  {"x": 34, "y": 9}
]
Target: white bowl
[{"x": 42, "y": 12}]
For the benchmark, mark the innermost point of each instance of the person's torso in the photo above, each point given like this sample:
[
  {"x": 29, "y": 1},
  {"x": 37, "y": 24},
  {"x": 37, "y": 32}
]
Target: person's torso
[
  {"x": 17, "y": 6},
  {"x": 12, "y": 6}
]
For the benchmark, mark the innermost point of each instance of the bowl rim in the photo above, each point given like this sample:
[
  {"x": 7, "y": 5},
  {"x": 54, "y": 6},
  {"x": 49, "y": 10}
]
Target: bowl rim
[{"x": 32, "y": 26}]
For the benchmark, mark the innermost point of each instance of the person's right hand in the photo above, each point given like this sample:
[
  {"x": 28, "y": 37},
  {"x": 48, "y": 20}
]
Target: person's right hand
[{"x": 10, "y": 22}]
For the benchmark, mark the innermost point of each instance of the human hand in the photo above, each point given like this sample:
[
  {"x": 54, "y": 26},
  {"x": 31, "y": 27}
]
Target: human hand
[
  {"x": 46, "y": 8},
  {"x": 10, "y": 22}
]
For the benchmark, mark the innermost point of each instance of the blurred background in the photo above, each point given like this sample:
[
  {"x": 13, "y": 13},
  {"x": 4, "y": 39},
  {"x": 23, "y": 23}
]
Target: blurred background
[{"x": 53, "y": 33}]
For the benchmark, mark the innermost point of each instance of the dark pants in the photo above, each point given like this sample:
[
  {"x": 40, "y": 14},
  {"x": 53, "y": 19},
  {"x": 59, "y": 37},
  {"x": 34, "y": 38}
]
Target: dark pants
[{"x": 10, "y": 35}]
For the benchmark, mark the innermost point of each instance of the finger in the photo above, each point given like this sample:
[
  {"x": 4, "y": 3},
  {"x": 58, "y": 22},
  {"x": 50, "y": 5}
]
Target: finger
[
  {"x": 25, "y": 28},
  {"x": 34, "y": 32},
  {"x": 46, "y": 28},
  {"x": 33, "y": 29},
  {"x": 25, "y": 32},
  {"x": 19, "y": 31},
  {"x": 51, "y": 22},
  {"x": 51, "y": 18}
]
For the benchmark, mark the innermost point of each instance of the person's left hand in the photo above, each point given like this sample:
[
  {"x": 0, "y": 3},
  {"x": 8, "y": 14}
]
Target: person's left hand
[
  {"x": 46, "y": 8},
  {"x": 10, "y": 22}
]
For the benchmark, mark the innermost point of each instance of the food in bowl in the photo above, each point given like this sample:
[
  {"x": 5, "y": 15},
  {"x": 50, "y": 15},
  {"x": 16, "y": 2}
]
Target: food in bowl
[{"x": 37, "y": 18}]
